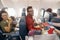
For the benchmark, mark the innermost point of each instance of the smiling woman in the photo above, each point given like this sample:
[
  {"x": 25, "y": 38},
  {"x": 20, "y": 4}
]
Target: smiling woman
[{"x": 5, "y": 26}]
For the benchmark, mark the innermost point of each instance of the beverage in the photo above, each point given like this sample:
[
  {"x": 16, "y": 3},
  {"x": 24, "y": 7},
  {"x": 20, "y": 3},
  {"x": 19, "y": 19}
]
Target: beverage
[{"x": 50, "y": 31}]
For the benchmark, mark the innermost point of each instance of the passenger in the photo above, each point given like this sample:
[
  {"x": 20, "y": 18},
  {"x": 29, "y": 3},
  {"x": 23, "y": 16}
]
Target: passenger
[
  {"x": 14, "y": 23},
  {"x": 56, "y": 21},
  {"x": 54, "y": 15},
  {"x": 49, "y": 11},
  {"x": 5, "y": 21},
  {"x": 30, "y": 20}
]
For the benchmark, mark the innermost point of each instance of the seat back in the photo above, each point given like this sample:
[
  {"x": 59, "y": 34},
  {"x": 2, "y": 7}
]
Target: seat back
[
  {"x": 22, "y": 24},
  {"x": 1, "y": 30}
]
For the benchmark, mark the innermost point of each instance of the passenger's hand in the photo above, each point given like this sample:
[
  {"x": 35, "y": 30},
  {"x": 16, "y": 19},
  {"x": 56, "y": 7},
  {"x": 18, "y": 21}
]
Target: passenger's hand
[
  {"x": 31, "y": 32},
  {"x": 52, "y": 27},
  {"x": 50, "y": 23},
  {"x": 9, "y": 20},
  {"x": 37, "y": 26},
  {"x": 45, "y": 24},
  {"x": 7, "y": 29}
]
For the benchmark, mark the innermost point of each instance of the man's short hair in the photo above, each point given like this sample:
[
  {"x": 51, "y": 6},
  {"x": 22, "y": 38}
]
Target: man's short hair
[
  {"x": 49, "y": 10},
  {"x": 29, "y": 7}
]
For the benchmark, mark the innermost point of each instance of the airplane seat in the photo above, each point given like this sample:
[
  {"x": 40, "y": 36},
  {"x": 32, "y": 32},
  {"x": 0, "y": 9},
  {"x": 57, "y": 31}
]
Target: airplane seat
[
  {"x": 1, "y": 30},
  {"x": 1, "y": 34},
  {"x": 22, "y": 26}
]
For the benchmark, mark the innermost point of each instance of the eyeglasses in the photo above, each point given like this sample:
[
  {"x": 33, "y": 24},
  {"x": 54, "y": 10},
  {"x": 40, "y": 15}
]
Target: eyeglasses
[
  {"x": 4, "y": 15},
  {"x": 30, "y": 11}
]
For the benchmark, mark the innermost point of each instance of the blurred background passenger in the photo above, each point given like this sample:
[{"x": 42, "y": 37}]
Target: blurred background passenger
[
  {"x": 56, "y": 21},
  {"x": 14, "y": 23},
  {"x": 54, "y": 15},
  {"x": 49, "y": 11}
]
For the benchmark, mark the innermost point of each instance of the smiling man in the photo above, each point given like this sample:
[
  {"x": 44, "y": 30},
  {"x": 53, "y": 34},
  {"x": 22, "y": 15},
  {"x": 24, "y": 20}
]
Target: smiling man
[{"x": 29, "y": 18}]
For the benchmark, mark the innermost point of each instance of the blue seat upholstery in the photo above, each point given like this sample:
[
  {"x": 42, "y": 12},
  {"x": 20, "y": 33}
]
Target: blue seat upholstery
[
  {"x": 22, "y": 31},
  {"x": 1, "y": 34},
  {"x": 22, "y": 26}
]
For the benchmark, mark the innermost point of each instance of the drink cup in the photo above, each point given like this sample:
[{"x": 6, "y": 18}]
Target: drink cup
[{"x": 50, "y": 31}]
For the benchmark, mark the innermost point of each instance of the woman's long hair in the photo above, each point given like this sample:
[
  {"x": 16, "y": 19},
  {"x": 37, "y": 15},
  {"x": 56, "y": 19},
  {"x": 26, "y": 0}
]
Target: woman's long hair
[
  {"x": 1, "y": 12},
  {"x": 0, "y": 16}
]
